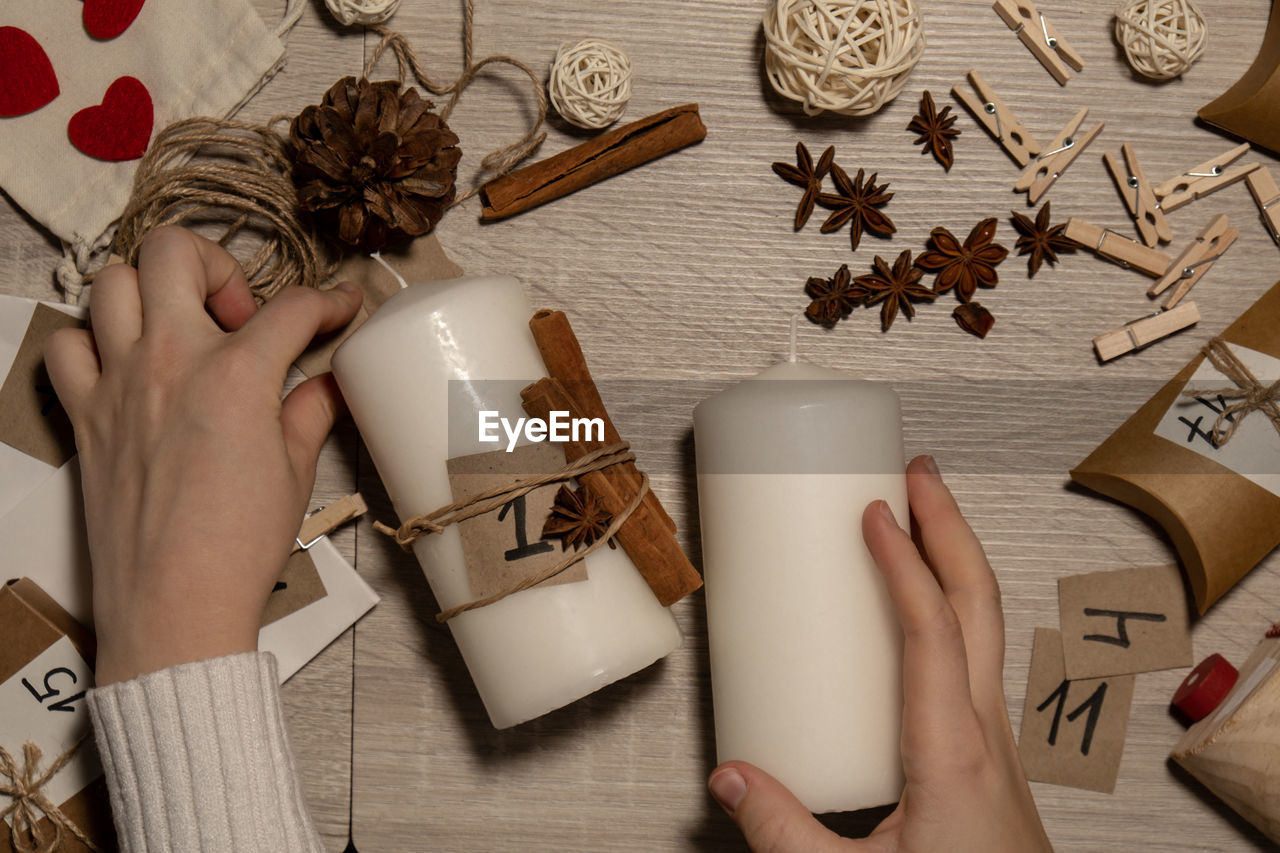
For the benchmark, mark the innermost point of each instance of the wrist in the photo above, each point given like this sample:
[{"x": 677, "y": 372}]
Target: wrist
[{"x": 142, "y": 652}]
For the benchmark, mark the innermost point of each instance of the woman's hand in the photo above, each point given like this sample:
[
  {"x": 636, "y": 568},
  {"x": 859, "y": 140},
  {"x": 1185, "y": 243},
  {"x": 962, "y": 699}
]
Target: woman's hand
[
  {"x": 965, "y": 787},
  {"x": 196, "y": 475}
]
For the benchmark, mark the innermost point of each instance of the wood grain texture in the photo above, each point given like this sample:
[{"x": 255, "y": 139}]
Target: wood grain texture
[{"x": 680, "y": 277}]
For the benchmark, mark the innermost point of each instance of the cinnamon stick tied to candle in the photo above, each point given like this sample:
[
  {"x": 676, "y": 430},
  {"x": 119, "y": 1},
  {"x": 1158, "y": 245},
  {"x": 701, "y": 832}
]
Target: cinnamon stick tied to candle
[
  {"x": 603, "y": 157},
  {"x": 647, "y": 535},
  {"x": 562, "y": 356}
]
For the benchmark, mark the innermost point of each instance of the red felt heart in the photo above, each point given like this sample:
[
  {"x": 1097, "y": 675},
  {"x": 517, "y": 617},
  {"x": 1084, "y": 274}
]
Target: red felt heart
[
  {"x": 106, "y": 19},
  {"x": 120, "y": 127},
  {"x": 27, "y": 81}
]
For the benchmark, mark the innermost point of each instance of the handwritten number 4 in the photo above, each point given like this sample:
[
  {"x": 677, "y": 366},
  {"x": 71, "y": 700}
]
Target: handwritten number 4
[
  {"x": 50, "y": 691},
  {"x": 1093, "y": 704}
]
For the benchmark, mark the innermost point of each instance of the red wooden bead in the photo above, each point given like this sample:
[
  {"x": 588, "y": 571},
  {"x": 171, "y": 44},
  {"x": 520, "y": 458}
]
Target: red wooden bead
[{"x": 1205, "y": 686}]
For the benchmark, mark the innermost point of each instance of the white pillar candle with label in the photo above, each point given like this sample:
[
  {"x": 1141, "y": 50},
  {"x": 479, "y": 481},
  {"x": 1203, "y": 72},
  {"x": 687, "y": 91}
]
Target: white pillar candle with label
[
  {"x": 806, "y": 650},
  {"x": 535, "y": 650}
]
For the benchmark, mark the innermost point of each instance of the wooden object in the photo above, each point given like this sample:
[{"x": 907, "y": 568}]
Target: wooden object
[
  {"x": 1208, "y": 177},
  {"x": 326, "y": 520},
  {"x": 1138, "y": 196},
  {"x": 1054, "y": 160},
  {"x": 646, "y": 536},
  {"x": 1262, "y": 186},
  {"x": 1235, "y": 750},
  {"x": 997, "y": 119},
  {"x": 1195, "y": 260},
  {"x": 1138, "y": 333},
  {"x": 603, "y": 157},
  {"x": 1040, "y": 37},
  {"x": 1249, "y": 108},
  {"x": 1117, "y": 248}
]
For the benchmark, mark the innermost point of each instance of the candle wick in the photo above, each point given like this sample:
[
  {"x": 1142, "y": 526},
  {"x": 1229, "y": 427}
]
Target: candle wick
[
  {"x": 791, "y": 356},
  {"x": 377, "y": 256}
]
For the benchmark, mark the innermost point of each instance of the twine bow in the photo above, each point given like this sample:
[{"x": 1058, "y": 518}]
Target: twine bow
[
  {"x": 489, "y": 500},
  {"x": 25, "y": 785},
  {"x": 1247, "y": 395}
]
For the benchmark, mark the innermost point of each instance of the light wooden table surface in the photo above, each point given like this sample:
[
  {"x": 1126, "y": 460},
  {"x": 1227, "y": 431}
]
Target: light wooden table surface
[{"x": 680, "y": 278}]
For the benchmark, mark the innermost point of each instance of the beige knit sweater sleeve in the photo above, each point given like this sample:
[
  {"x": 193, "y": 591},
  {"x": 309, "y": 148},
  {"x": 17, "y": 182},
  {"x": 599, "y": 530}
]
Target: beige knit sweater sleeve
[{"x": 197, "y": 759}]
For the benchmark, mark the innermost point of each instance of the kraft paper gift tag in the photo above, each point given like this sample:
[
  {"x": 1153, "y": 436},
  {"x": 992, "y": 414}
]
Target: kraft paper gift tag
[
  {"x": 1072, "y": 731},
  {"x": 1219, "y": 505},
  {"x": 504, "y": 546},
  {"x": 79, "y": 101},
  {"x": 1251, "y": 107},
  {"x": 30, "y": 449},
  {"x": 1128, "y": 621},
  {"x": 44, "y": 674},
  {"x": 44, "y": 536}
]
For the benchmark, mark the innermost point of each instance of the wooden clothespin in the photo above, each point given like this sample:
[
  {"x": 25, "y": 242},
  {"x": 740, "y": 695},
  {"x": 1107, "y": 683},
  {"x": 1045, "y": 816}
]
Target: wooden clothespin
[
  {"x": 1062, "y": 151},
  {"x": 1138, "y": 196},
  {"x": 1138, "y": 333},
  {"x": 1117, "y": 248},
  {"x": 1040, "y": 37},
  {"x": 328, "y": 519},
  {"x": 1209, "y": 176},
  {"x": 998, "y": 120},
  {"x": 1195, "y": 260},
  {"x": 1262, "y": 186}
]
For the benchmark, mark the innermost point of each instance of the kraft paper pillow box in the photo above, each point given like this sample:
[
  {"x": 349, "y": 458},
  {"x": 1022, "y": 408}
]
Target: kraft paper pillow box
[
  {"x": 1223, "y": 518},
  {"x": 45, "y": 669}
]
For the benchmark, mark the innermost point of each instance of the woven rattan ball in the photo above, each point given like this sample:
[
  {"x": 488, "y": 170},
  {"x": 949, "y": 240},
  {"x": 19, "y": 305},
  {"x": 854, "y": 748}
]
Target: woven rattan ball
[
  {"x": 848, "y": 56},
  {"x": 1161, "y": 38},
  {"x": 590, "y": 83}
]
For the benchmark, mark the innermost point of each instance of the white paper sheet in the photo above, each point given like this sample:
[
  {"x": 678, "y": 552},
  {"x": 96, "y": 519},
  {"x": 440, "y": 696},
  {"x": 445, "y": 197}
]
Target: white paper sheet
[
  {"x": 1254, "y": 450},
  {"x": 19, "y": 473},
  {"x": 44, "y": 539}
]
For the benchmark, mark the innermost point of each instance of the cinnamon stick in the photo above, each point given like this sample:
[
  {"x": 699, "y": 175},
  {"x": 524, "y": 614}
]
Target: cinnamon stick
[
  {"x": 645, "y": 536},
  {"x": 603, "y": 157},
  {"x": 563, "y": 358}
]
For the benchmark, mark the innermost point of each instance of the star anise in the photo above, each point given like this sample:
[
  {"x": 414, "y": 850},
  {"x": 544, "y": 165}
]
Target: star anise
[
  {"x": 964, "y": 267},
  {"x": 833, "y": 298},
  {"x": 578, "y": 518},
  {"x": 935, "y": 129},
  {"x": 805, "y": 174},
  {"x": 1040, "y": 240},
  {"x": 856, "y": 201},
  {"x": 973, "y": 318},
  {"x": 897, "y": 287}
]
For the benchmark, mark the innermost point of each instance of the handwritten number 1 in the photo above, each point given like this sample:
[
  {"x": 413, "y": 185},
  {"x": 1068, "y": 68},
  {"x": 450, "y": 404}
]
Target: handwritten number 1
[
  {"x": 1093, "y": 704},
  {"x": 524, "y": 548}
]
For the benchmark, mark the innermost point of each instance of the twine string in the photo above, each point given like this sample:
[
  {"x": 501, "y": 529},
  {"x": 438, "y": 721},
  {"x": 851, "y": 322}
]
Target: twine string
[
  {"x": 1248, "y": 394},
  {"x": 25, "y": 786},
  {"x": 486, "y": 501},
  {"x": 499, "y": 161}
]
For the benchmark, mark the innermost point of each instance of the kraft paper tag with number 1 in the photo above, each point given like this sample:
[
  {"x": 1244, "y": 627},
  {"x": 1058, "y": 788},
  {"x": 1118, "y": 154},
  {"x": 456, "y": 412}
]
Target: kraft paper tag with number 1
[{"x": 504, "y": 546}]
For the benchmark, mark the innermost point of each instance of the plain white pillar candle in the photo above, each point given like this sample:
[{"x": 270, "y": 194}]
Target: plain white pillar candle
[
  {"x": 539, "y": 649},
  {"x": 806, "y": 650}
]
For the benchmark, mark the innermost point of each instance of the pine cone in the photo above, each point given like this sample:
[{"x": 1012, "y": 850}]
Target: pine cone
[{"x": 373, "y": 166}]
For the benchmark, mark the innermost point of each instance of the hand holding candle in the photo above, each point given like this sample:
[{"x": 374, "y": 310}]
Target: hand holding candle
[{"x": 965, "y": 789}]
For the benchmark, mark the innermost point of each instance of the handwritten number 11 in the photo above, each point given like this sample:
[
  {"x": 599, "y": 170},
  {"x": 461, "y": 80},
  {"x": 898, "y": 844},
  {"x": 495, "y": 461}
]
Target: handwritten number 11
[{"x": 1093, "y": 704}]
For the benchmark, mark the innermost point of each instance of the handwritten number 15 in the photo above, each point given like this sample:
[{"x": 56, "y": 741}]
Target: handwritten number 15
[{"x": 50, "y": 691}]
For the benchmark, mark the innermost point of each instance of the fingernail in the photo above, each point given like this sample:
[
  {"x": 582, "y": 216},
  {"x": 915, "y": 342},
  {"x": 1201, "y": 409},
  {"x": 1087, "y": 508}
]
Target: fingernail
[
  {"x": 348, "y": 288},
  {"x": 887, "y": 513},
  {"x": 930, "y": 465},
  {"x": 728, "y": 787}
]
